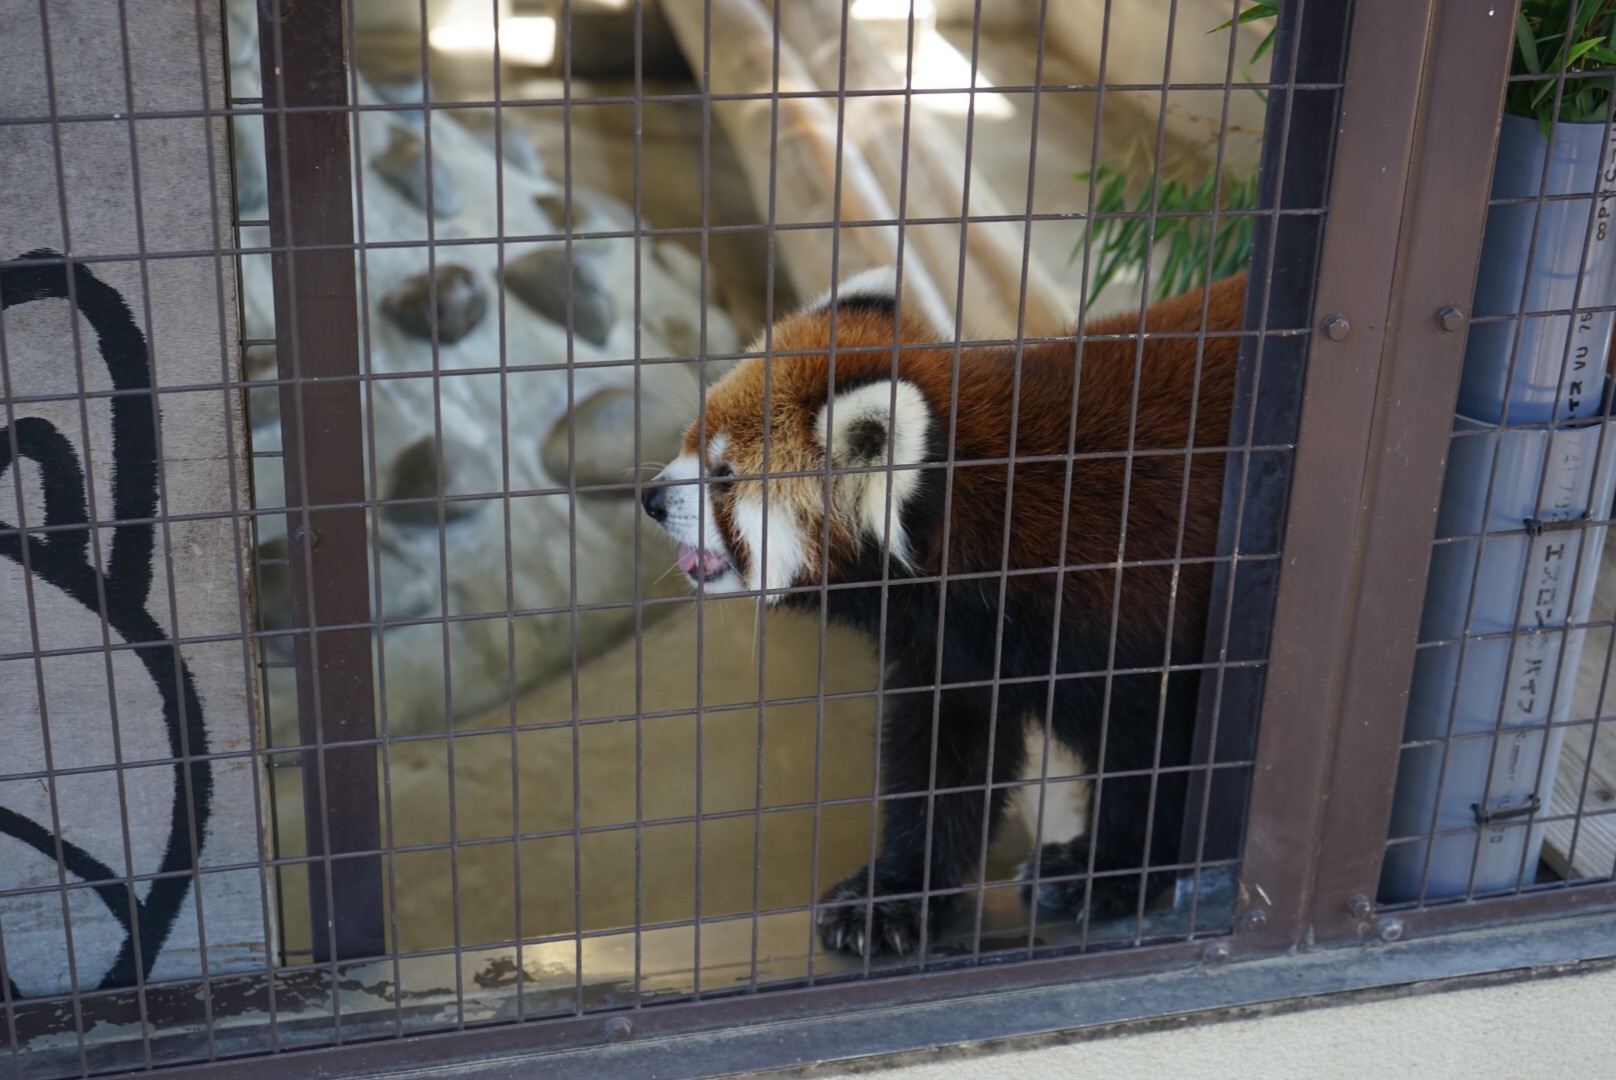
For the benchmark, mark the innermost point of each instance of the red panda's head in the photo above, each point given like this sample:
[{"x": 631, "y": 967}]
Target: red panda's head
[{"x": 748, "y": 500}]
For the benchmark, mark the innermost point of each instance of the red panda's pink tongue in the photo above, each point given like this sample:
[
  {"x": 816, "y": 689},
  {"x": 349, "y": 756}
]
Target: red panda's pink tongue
[{"x": 709, "y": 561}]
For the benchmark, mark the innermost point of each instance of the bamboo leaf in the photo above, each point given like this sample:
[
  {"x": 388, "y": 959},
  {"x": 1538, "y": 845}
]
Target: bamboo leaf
[
  {"x": 1251, "y": 14},
  {"x": 1580, "y": 20},
  {"x": 1580, "y": 50},
  {"x": 1262, "y": 48},
  {"x": 1526, "y": 45}
]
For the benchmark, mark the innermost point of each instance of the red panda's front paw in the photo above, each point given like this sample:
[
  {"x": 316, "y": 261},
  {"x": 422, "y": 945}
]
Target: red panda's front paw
[{"x": 849, "y": 923}]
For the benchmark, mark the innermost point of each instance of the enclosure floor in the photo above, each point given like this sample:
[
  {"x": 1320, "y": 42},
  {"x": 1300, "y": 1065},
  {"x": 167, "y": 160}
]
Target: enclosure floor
[
  {"x": 809, "y": 750},
  {"x": 721, "y": 777}
]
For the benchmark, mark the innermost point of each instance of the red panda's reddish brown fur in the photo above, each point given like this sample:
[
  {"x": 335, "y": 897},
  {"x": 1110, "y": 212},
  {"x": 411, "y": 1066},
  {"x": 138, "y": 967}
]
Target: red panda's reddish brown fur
[
  {"x": 1175, "y": 375},
  {"x": 1131, "y": 450}
]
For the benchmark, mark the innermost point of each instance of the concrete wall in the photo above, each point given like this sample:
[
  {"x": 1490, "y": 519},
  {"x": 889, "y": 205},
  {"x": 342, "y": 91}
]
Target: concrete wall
[
  {"x": 114, "y": 366},
  {"x": 1549, "y": 1028}
]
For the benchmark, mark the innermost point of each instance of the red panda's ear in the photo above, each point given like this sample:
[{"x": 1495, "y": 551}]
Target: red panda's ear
[
  {"x": 874, "y": 288},
  {"x": 887, "y": 422},
  {"x": 878, "y": 289},
  {"x": 858, "y": 427}
]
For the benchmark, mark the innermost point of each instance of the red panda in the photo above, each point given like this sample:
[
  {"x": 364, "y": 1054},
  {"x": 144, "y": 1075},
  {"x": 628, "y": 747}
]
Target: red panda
[{"x": 917, "y": 531}]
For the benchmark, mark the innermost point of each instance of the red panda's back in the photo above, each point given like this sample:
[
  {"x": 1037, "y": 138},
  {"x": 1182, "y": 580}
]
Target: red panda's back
[{"x": 1132, "y": 449}]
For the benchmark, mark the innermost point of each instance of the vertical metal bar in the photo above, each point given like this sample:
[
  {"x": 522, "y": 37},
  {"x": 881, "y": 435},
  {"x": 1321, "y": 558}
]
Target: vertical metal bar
[
  {"x": 889, "y": 510},
  {"x": 507, "y": 535},
  {"x": 1019, "y": 347},
  {"x": 705, "y": 219},
  {"x": 389, "y": 917},
  {"x": 815, "y": 885},
  {"x": 373, "y": 555},
  {"x": 310, "y": 185},
  {"x": 439, "y": 483},
  {"x": 569, "y": 295},
  {"x": 1122, "y": 526},
  {"x": 1193, "y": 836},
  {"x": 189, "y": 783},
  {"x": 948, "y": 490},
  {"x": 1298, "y": 136},
  {"x": 1385, "y": 65},
  {"x": 1084, "y": 280},
  {"x": 232, "y": 363},
  {"x": 232, "y": 399},
  {"x": 1437, "y": 263},
  {"x": 639, "y": 528},
  {"x": 1370, "y": 406},
  {"x": 763, "y": 552}
]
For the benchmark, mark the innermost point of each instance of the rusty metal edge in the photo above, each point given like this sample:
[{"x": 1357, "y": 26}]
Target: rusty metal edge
[
  {"x": 724, "y": 1038},
  {"x": 1436, "y": 267},
  {"x": 1387, "y": 69},
  {"x": 1588, "y": 899},
  {"x": 308, "y": 175}
]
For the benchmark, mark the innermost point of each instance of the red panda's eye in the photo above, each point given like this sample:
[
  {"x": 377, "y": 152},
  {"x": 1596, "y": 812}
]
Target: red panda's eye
[{"x": 722, "y": 477}]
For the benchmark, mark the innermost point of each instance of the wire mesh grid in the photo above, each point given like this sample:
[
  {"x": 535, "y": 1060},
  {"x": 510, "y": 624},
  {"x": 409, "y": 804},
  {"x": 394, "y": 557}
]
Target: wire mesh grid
[
  {"x": 1504, "y": 781},
  {"x": 419, "y": 776}
]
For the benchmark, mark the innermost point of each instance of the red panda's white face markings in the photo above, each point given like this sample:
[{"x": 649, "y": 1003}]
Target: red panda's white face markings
[
  {"x": 880, "y": 422},
  {"x": 748, "y": 497}
]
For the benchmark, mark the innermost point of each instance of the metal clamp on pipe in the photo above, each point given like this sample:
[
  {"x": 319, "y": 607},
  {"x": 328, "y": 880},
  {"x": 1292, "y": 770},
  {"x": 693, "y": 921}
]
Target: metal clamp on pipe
[{"x": 1526, "y": 809}]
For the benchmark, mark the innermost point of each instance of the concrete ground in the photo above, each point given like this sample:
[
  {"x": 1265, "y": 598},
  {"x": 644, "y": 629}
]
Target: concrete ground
[{"x": 1533, "y": 1030}]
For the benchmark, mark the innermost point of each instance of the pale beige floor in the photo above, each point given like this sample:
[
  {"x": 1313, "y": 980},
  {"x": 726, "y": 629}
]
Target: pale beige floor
[
  {"x": 800, "y": 752},
  {"x": 1478, "y": 1032}
]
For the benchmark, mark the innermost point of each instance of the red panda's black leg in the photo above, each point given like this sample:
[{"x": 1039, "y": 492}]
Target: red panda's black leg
[
  {"x": 955, "y": 836},
  {"x": 1128, "y": 804}
]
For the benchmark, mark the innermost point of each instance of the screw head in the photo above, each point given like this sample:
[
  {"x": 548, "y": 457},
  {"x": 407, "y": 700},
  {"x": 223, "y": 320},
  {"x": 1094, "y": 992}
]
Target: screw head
[
  {"x": 303, "y": 532},
  {"x": 1391, "y": 929},
  {"x": 1450, "y": 318},
  {"x": 619, "y": 1028},
  {"x": 1217, "y": 953},
  {"x": 1255, "y": 919},
  {"x": 1336, "y": 327},
  {"x": 1359, "y": 907}
]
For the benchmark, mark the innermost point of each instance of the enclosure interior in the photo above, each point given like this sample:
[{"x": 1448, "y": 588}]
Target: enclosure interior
[{"x": 620, "y": 811}]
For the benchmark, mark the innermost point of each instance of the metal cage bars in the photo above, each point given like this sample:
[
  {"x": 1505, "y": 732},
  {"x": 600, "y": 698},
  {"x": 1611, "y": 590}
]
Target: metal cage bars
[{"x": 1370, "y": 439}]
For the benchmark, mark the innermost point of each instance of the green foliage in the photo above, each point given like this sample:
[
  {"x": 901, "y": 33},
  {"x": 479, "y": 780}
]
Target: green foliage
[
  {"x": 1563, "y": 40},
  {"x": 1252, "y": 14},
  {"x": 1198, "y": 250}
]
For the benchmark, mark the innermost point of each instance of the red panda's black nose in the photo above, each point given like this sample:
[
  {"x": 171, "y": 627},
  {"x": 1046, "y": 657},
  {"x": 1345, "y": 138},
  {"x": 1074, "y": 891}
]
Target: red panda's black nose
[{"x": 655, "y": 501}]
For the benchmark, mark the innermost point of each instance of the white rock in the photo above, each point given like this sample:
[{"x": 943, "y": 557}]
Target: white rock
[
  {"x": 496, "y": 423},
  {"x": 562, "y": 285},
  {"x": 404, "y": 165}
]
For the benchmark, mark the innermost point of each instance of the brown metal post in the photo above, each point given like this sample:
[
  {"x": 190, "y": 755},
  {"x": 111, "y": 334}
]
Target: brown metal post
[
  {"x": 1302, "y": 699},
  {"x": 1436, "y": 268},
  {"x": 1298, "y": 135},
  {"x": 310, "y": 184},
  {"x": 1408, "y": 204}
]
